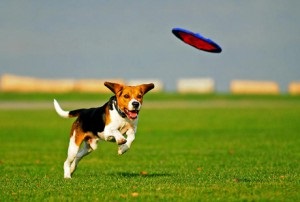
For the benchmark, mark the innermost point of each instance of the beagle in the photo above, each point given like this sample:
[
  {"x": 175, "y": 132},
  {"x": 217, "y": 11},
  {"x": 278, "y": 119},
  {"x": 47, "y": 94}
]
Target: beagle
[{"x": 117, "y": 117}]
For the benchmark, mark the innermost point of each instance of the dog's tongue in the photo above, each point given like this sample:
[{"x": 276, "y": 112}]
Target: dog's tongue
[{"x": 132, "y": 114}]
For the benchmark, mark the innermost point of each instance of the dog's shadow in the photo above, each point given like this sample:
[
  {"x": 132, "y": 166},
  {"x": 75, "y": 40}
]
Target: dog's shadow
[{"x": 141, "y": 174}]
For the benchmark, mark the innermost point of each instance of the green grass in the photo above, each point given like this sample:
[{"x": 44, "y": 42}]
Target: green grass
[{"x": 225, "y": 149}]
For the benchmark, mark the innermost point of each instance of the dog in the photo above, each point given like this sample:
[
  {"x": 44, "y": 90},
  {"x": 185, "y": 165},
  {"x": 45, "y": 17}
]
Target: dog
[{"x": 110, "y": 122}]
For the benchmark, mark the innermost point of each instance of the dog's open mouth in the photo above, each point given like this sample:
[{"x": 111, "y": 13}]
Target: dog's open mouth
[{"x": 132, "y": 114}]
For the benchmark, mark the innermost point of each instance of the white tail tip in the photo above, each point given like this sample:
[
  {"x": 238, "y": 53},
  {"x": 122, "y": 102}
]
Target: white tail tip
[{"x": 60, "y": 111}]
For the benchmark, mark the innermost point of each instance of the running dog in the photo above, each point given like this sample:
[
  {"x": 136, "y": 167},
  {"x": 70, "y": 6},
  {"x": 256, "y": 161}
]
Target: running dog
[{"x": 110, "y": 122}]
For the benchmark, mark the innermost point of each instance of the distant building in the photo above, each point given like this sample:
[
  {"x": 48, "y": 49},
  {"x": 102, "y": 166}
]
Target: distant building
[
  {"x": 294, "y": 88},
  {"x": 254, "y": 87},
  {"x": 196, "y": 85}
]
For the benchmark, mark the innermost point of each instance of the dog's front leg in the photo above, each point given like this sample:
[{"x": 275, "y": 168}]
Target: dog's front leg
[
  {"x": 111, "y": 133},
  {"x": 130, "y": 138}
]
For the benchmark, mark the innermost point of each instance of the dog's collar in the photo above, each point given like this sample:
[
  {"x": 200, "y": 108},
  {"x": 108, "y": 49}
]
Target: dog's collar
[{"x": 113, "y": 102}]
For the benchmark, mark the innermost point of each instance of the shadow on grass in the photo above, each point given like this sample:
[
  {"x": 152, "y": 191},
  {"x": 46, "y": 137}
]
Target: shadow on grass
[{"x": 141, "y": 174}]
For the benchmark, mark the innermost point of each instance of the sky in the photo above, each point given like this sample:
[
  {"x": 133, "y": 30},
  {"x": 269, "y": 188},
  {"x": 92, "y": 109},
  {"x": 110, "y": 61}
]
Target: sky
[{"x": 133, "y": 40}]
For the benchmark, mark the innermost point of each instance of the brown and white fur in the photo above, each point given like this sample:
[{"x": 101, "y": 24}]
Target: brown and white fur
[{"x": 110, "y": 122}]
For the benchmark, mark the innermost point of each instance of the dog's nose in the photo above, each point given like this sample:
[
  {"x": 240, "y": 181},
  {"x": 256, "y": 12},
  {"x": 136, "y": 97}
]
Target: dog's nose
[{"x": 135, "y": 104}]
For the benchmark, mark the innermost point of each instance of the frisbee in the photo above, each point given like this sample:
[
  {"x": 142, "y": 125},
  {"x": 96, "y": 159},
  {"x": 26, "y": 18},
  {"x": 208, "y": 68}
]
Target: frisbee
[{"x": 197, "y": 40}]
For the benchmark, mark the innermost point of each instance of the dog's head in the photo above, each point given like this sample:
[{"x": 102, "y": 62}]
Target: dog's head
[{"x": 129, "y": 98}]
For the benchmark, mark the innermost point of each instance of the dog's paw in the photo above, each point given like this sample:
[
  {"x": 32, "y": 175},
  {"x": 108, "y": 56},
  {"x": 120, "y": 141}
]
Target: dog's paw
[
  {"x": 93, "y": 143},
  {"x": 122, "y": 149},
  {"x": 111, "y": 139},
  {"x": 67, "y": 176},
  {"x": 121, "y": 141}
]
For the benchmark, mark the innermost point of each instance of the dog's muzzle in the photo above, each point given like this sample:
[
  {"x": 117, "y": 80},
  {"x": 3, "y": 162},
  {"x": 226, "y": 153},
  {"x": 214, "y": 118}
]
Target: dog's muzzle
[{"x": 133, "y": 112}]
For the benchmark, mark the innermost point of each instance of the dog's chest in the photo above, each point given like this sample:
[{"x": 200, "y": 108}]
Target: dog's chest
[{"x": 120, "y": 123}]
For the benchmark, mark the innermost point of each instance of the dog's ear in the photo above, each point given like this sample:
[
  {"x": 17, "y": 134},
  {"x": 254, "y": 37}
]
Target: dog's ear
[
  {"x": 146, "y": 87},
  {"x": 114, "y": 87}
]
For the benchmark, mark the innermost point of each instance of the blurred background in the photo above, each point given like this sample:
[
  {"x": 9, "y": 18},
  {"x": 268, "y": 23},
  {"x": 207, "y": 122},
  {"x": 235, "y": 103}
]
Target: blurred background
[{"x": 90, "y": 41}]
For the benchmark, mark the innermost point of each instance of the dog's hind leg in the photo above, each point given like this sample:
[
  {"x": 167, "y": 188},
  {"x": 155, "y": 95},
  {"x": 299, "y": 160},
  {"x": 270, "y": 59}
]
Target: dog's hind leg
[
  {"x": 88, "y": 147},
  {"x": 72, "y": 152}
]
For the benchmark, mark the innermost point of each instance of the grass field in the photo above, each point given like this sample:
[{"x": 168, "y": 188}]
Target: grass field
[{"x": 188, "y": 148}]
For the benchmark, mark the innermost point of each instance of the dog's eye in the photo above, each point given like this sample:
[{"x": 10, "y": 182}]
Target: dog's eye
[
  {"x": 139, "y": 96},
  {"x": 126, "y": 96}
]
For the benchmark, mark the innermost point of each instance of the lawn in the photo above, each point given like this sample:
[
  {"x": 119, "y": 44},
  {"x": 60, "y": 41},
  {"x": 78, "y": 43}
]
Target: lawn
[{"x": 188, "y": 148}]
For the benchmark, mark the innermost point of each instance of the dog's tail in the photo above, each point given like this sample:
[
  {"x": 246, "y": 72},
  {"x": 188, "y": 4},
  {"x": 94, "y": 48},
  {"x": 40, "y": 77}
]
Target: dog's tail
[
  {"x": 66, "y": 114},
  {"x": 60, "y": 111}
]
